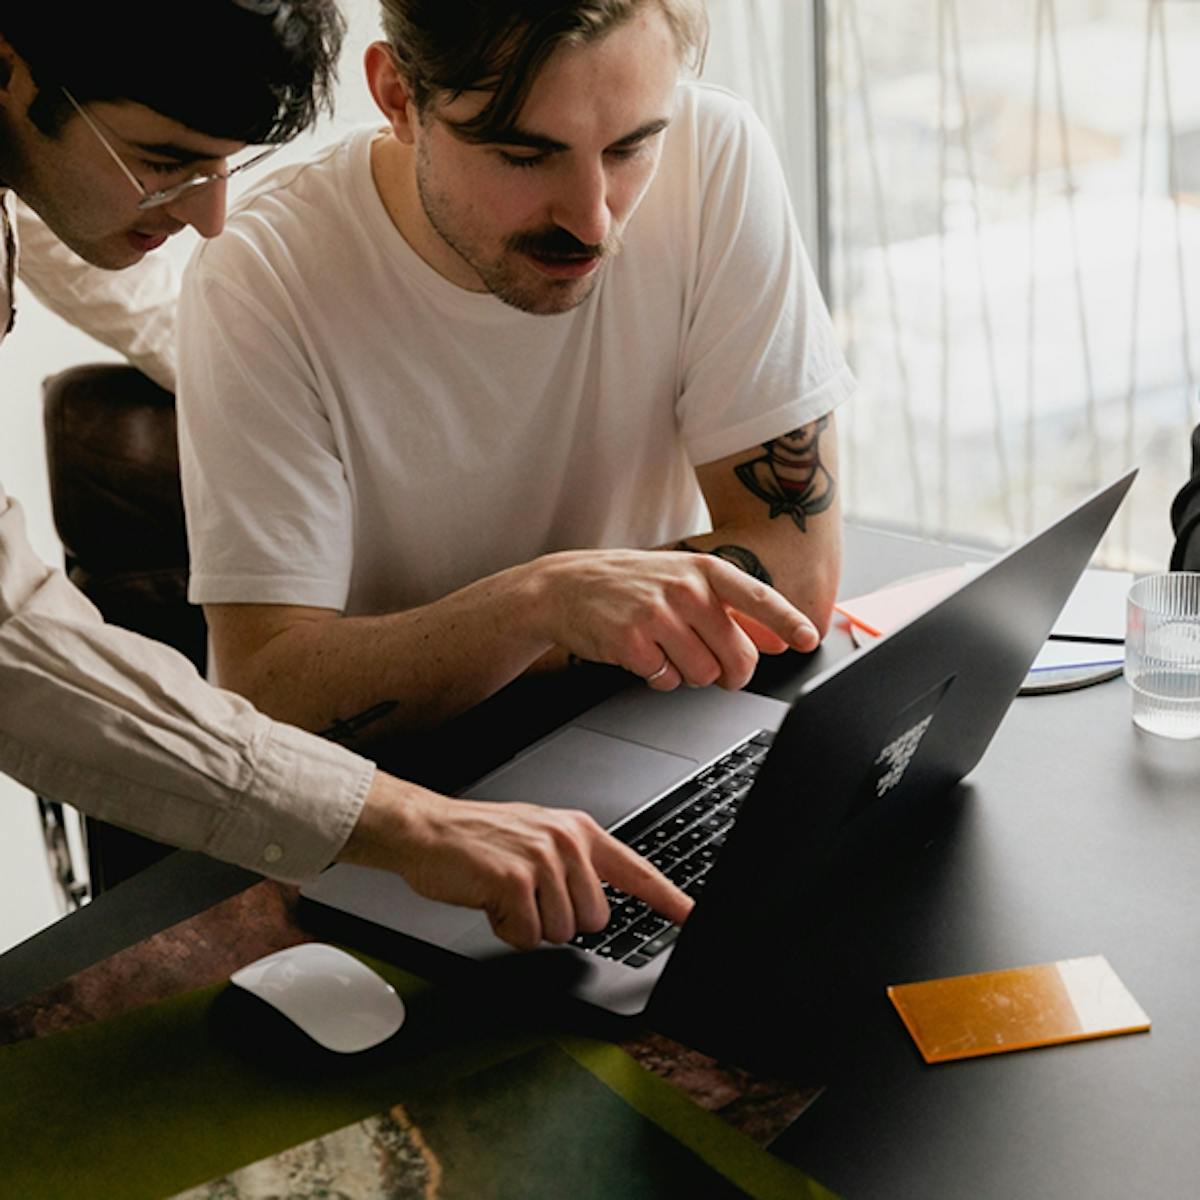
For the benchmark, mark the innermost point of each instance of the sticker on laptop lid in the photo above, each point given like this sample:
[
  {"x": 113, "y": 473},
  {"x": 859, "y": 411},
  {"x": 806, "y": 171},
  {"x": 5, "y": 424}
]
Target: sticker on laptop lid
[{"x": 1021, "y": 1008}]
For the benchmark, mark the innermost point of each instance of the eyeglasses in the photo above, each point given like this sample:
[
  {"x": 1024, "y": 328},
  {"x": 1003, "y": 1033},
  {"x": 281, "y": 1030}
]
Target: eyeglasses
[{"x": 163, "y": 196}]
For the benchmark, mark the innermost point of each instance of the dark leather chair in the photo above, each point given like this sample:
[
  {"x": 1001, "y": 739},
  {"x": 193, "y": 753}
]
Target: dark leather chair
[{"x": 114, "y": 486}]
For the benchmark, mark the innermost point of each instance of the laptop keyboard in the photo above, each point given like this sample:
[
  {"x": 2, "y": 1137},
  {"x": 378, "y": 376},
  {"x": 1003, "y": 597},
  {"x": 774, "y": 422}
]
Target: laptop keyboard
[{"x": 681, "y": 834}]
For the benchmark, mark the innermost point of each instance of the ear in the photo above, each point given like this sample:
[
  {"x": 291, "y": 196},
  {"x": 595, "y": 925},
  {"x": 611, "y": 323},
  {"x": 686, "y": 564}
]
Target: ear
[
  {"x": 391, "y": 92},
  {"x": 17, "y": 88},
  {"x": 8, "y": 60}
]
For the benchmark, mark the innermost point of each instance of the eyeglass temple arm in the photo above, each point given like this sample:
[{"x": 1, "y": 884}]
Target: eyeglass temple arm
[{"x": 137, "y": 183}]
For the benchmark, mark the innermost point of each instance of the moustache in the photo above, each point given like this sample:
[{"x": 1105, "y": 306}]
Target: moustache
[{"x": 556, "y": 243}]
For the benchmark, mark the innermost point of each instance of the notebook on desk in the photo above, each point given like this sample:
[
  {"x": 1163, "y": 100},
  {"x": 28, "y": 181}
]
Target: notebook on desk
[{"x": 748, "y": 802}]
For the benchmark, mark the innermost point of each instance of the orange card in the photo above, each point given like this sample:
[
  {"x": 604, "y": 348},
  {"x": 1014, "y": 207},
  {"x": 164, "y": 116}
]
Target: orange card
[{"x": 1017, "y": 1009}]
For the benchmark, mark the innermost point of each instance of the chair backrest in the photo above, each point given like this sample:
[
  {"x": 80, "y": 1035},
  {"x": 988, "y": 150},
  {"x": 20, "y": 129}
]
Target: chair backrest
[{"x": 114, "y": 487}]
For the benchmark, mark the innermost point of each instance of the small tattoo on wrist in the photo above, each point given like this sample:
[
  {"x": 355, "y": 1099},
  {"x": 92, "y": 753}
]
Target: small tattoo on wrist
[
  {"x": 739, "y": 556},
  {"x": 745, "y": 559},
  {"x": 345, "y": 730}
]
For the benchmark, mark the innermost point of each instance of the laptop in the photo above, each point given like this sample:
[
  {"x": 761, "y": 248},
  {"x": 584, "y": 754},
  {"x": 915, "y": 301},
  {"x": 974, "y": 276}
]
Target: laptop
[{"x": 749, "y": 803}]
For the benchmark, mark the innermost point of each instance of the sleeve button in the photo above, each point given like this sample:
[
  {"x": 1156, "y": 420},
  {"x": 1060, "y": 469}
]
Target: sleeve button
[{"x": 272, "y": 853}]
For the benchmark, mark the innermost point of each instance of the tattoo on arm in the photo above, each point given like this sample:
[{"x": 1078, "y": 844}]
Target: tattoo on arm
[
  {"x": 344, "y": 731},
  {"x": 747, "y": 560},
  {"x": 790, "y": 477}
]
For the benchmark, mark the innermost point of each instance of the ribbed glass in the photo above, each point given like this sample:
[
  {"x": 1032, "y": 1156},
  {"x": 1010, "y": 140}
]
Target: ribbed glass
[{"x": 1162, "y": 653}]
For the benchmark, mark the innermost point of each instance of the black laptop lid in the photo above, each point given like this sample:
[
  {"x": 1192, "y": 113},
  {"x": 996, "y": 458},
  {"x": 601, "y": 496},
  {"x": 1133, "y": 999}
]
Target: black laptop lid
[{"x": 872, "y": 749}]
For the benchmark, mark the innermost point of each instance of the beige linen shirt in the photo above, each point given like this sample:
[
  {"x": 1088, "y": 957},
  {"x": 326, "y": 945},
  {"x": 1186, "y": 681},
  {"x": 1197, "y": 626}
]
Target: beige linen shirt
[{"x": 124, "y": 729}]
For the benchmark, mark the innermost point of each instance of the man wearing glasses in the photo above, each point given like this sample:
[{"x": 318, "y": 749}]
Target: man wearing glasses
[{"x": 117, "y": 145}]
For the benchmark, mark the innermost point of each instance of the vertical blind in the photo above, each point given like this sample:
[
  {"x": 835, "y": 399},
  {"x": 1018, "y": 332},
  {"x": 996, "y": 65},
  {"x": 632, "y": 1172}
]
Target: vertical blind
[{"x": 1010, "y": 249}]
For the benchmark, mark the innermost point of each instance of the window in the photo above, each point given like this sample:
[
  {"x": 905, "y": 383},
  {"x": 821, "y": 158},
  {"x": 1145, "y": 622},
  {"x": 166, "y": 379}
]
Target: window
[
  {"x": 1013, "y": 238},
  {"x": 1003, "y": 202}
]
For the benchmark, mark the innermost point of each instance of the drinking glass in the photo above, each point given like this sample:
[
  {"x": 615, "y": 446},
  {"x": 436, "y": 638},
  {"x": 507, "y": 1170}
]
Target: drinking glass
[{"x": 1162, "y": 653}]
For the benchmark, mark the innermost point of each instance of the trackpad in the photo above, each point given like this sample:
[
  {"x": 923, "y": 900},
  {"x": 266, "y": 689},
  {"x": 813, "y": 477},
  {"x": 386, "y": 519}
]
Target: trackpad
[{"x": 579, "y": 768}]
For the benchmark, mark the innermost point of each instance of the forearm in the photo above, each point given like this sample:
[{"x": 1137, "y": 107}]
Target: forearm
[
  {"x": 124, "y": 729},
  {"x": 372, "y": 676},
  {"x": 777, "y": 515},
  {"x": 356, "y": 678}
]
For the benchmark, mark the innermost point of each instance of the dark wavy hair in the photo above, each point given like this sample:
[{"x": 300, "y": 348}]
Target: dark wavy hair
[
  {"x": 447, "y": 47},
  {"x": 254, "y": 71}
]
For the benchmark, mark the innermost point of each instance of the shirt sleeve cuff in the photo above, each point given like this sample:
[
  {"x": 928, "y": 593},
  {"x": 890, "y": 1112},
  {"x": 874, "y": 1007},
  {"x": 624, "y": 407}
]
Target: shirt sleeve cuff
[{"x": 303, "y": 801}]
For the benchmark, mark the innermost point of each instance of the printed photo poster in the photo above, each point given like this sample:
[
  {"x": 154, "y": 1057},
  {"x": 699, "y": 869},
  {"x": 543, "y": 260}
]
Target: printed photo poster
[{"x": 539, "y": 1126}]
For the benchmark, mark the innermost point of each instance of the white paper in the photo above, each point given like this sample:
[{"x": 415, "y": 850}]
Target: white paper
[
  {"x": 1056, "y": 656},
  {"x": 1096, "y": 608}
]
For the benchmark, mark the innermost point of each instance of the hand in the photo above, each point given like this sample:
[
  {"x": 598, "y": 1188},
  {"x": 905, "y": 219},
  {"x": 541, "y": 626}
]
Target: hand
[
  {"x": 668, "y": 616},
  {"x": 535, "y": 871}
]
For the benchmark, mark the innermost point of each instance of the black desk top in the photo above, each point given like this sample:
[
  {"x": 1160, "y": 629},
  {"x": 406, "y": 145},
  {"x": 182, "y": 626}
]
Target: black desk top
[{"x": 1076, "y": 835}]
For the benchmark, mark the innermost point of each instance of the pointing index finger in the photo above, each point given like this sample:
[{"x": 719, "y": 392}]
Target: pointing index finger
[
  {"x": 628, "y": 870},
  {"x": 763, "y": 604}
]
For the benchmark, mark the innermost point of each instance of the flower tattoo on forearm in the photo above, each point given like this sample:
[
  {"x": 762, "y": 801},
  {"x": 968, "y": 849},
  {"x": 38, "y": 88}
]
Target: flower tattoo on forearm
[{"x": 790, "y": 477}]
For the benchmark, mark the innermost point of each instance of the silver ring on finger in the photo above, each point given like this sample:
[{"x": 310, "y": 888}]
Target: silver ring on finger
[{"x": 666, "y": 665}]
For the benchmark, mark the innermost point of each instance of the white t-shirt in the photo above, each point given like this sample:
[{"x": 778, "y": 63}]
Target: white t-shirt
[{"x": 361, "y": 434}]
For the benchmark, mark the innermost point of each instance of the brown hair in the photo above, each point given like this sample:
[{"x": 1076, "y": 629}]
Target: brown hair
[
  {"x": 246, "y": 70},
  {"x": 455, "y": 46}
]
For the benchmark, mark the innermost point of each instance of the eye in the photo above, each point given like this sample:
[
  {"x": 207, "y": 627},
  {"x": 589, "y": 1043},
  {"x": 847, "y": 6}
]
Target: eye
[
  {"x": 521, "y": 160},
  {"x": 159, "y": 167}
]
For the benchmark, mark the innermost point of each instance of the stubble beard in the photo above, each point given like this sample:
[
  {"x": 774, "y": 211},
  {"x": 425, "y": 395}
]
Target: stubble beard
[{"x": 508, "y": 276}]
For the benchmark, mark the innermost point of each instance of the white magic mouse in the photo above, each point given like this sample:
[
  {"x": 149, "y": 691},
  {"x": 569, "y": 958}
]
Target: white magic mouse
[{"x": 328, "y": 994}]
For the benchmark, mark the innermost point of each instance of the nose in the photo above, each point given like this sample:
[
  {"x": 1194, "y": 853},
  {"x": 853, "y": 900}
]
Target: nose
[
  {"x": 203, "y": 208},
  {"x": 581, "y": 205}
]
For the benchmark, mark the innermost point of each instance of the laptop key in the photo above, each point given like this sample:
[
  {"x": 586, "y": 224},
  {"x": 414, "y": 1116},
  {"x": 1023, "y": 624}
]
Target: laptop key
[
  {"x": 698, "y": 809},
  {"x": 651, "y": 926},
  {"x": 659, "y": 944},
  {"x": 681, "y": 872},
  {"x": 621, "y": 945},
  {"x": 589, "y": 941},
  {"x": 665, "y": 856}
]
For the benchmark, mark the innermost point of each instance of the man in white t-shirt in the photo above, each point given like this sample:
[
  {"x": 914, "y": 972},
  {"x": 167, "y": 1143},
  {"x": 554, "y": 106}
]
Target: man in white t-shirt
[
  {"x": 437, "y": 379},
  {"x": 139, "y": 147}
]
